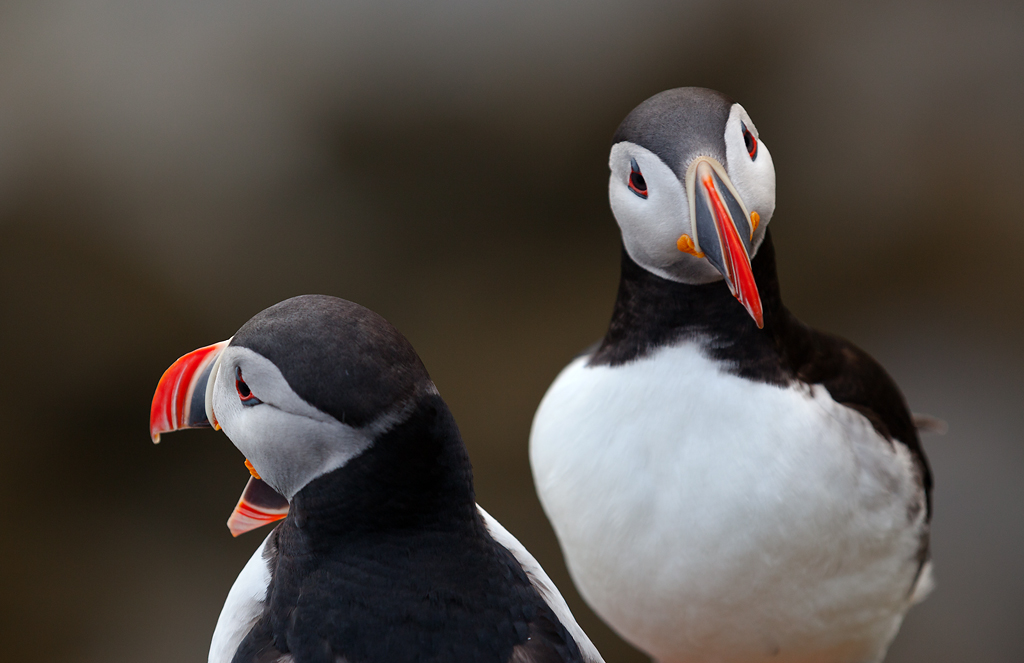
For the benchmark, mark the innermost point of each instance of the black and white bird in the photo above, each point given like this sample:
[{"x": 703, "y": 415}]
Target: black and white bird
[
  {"x": 383, "y": 555},
  {"x": 726, "y": 483}
]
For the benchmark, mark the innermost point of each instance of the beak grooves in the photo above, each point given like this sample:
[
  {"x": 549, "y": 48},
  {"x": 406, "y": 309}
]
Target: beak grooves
[
  {"x": 722, "y": 231},
  {"x": 180, "y": 397}
]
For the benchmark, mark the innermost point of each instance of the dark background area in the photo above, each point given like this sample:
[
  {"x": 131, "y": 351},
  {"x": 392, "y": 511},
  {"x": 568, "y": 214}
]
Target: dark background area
[{"x": 169, "y": 169}]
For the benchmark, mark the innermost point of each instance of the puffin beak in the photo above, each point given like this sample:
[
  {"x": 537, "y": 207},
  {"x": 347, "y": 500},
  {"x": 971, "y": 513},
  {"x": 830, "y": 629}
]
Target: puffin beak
[
  {"x": 259, "y": 505},
  {"x": 180, "y": 400},
  {"x": 183, "y": 400},
  {"x": 723, "y": 231}
]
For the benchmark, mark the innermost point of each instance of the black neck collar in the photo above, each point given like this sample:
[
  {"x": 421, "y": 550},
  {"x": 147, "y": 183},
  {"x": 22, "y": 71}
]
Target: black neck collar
[
  {"x": 652, "y": 312},
  {"x": 416, "y": 475}
]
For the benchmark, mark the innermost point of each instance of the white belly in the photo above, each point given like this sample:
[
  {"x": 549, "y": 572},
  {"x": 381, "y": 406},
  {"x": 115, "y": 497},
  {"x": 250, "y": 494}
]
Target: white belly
[{"x": 710, "y": 518}]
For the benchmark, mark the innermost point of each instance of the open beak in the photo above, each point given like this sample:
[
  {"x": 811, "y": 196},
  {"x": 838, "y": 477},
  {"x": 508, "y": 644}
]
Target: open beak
[
  {"x": 183, "y": 400},
  {"x": 259, "y": 505},
  {"x": 723, "y": 231}
]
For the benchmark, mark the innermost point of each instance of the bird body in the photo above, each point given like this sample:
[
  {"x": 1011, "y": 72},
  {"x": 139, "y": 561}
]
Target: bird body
[
  {"x": 727, "y": 484},
  {"x": 382, "y": 553},
  {"x": 700, "y": 539}
]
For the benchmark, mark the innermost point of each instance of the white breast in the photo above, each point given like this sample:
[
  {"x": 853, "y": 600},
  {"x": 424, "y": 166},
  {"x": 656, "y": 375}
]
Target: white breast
[
  {"x": 708, "y": 517},
  {"x": 243, "y": 607}
]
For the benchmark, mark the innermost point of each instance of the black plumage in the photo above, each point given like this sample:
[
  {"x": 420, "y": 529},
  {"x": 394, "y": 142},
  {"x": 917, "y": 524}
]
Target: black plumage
[
  {"x": 675, "y": 125},
  {"x": 340, "y": 357},
  {"x": 387, "y": 558}
]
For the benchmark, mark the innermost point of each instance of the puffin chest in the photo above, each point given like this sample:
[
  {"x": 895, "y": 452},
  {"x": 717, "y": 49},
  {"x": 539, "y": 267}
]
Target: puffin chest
[
  {"x": 701, "y": 460},
  {"x": 690, "y": 502}
]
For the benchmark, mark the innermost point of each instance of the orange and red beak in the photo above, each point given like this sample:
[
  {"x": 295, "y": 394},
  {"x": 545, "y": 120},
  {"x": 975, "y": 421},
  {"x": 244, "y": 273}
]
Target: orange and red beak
[
  {"x": 180, "y": 398},
  {"x": 183, "y": 400},
  {"x": 259, "y": 505},
  {"x": 724, "y": 231}
]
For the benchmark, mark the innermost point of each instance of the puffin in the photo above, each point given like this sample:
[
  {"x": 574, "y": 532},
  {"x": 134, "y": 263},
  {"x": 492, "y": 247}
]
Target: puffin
[
  {"x": 381, "y": 553},
  {"x": 726, "y": 483}
]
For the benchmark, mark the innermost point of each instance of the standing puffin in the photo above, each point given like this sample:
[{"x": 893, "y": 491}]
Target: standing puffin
[
  {"x": 383, "y": 555},
  {"x": 726, "y": 483}
]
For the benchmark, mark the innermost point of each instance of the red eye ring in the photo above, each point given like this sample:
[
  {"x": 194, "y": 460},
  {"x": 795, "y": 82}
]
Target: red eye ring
[
  {"x": 245, "y": 394},
  {"x": 750, "y": 141},
  {"x": 636, "y": 182}
]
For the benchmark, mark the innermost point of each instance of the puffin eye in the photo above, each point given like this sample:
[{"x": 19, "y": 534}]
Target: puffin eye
[
  {"x": 636, "y": 182},
  {"x": 750, "y": 141},
  {"x": 244, "y": 393}
]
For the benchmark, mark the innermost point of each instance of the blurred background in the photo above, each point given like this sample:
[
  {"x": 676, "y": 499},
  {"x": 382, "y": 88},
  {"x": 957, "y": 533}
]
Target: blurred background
[{"x": 169, "y": 169}]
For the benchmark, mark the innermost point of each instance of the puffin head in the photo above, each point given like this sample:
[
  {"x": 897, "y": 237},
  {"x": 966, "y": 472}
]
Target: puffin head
[
  {"x": 301, "y": 389},
  {"x": 692, "y": 188}
]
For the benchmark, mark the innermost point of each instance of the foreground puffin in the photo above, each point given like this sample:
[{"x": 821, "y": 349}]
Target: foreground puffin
[
  {"x": 726, "y": 484},
  {"x": 383, "y": 555}
]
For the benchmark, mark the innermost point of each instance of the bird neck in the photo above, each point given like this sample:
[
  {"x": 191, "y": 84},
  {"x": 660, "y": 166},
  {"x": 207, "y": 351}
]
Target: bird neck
[
  {"x": 652, "y": 312},
  {"x": 416, "y": 475}
]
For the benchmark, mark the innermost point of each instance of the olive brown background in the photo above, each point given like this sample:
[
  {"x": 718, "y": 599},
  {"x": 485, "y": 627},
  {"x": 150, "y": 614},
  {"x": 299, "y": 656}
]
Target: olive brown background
[{"x": 169, "y": 169}]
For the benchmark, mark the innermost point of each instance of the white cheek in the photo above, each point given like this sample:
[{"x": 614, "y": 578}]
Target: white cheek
[
  {"x": 287, "y": 449},
  {"x": 226, "y": 407},
  {"x": 753, "y": 179},
  {"x": 232, "y": 415},
  {"x": 290, "y": 450},
  {"x": 650, "y": 226},
  {"x": 763, "y": 188},
  {"x": 756, "y": 182}
]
